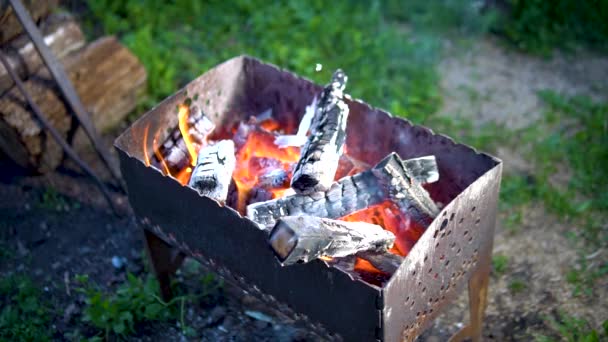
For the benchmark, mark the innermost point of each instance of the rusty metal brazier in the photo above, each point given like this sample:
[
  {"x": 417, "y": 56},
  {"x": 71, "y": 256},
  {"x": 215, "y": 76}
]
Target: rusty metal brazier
[{"x": 453, "y": 252}]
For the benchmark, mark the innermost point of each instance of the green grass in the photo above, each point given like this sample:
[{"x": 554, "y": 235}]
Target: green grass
[
  {"x": 540, "y": 26},
  {"x": 572, "y": 329},
  {"x": 136, "y": 301},
  {"x": 442, "y": 16},
  {"x": 500, "y": 263},
  {"x": 50, "y": 199},
  {"x": 571, "y": 138},
  {"x": 390, "y": 67},
  {"x": 25, "y": 315},
  {"x": 517, "y": 286}
]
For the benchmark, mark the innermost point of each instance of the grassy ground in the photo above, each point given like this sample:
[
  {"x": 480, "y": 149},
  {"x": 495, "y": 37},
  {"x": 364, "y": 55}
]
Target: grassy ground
[{"x": 391, "y": 50}]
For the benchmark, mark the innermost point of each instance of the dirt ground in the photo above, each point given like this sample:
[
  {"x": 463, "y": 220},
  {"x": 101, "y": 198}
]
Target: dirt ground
[
  {"x": 483, "y": 82},
  {"x": 487, "y": 83}
]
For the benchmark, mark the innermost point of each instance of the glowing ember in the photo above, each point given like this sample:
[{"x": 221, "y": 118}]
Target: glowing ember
[
  {"x": 182, "y": 116},
  {"x": 349, "y": 166},
  {"x": 365, "y": 266},
  {"x": 258, "y": 153},
  {"x": 388, "y": 216},
  {"x": 270, "y": 125}
]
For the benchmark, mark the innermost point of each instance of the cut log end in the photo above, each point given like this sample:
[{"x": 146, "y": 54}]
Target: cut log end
[
  {"x": 305, "y": 184},
  {"x": 282, "y": 240},
  {"x": 423, "y": 170}
]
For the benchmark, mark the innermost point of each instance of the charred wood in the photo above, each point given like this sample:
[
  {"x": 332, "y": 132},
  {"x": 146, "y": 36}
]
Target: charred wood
[
  {"x": 213, "y": 172},
  {"x": 351, "y": 194},
  {"x": 274, "y": 179},
  {"x": 304, "y": 238},
  {"x": 318, "y": 163},
  {"x": 174, "y": 150},
  {"x": 405, "y": 190},
  {"x": 384, "y": 261},
  {"x": 423, "y": 170}
]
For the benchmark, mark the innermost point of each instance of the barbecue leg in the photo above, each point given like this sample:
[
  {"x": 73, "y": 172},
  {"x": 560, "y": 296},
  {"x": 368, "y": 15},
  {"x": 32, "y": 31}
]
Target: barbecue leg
[
  {"x": 165, "y": 260},
  {"x": 478, "y": 293}
]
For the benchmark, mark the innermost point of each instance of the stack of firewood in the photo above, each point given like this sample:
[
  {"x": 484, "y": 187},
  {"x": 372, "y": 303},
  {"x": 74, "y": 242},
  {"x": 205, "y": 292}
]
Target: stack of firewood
[{"x": 108, "y": 78}]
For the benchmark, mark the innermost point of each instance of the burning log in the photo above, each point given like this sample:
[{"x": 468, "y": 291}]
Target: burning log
[
  {"x": 174, "y": 151},
  {"x": 304, "y": 238},
  {"x": 318, "y": 163},
  {"x": 385, "y": 181},
  {"x": 423, "y": 169},
  {"x": 385, "y": 262},
  {"x": 405, "y": 190},
  {"x": 274, "y": 179},
  {"x": 213, "y": 172}
]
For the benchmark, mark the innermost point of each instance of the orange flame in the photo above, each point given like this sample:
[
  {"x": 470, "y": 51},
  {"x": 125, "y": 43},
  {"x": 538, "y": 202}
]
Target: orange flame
[
  {"x": 256, "y": 155},
  {"x": 182, "y": 116},
  {"x": 184, "y": 176},
  {"x": 146, "y": 156},
  {"x": 158, "y": 155}
]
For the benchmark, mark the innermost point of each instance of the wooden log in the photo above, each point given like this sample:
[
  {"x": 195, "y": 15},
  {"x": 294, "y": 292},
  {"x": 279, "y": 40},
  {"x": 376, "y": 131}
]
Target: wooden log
[
  {"x": 11, "y": 27},
  {"x": 174, "y": 150},
  {"x": 348, "y": 195},
  {"x": 107, "y": 77},
  {"x": 60, "y": 33},
  {"x": 213, "y": 172},
  {"x": 423, "y": 170},
  {"x": 273, "y": 179},
  {"x": 384, "y": 261},
  {"x": 316, "y": 169},
  {"x": 405, "y": 190},
  {"x": 298, "y": 239}
]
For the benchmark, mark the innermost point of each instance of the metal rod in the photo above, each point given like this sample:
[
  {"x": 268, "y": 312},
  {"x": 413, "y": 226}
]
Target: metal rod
[
  {"x": 66, "y": 87},
  {"x": 47, "y": 126}
]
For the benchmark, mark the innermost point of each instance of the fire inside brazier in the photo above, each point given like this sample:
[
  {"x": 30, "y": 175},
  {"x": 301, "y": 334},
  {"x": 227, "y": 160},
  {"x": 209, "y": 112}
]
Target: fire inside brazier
[{"x": 359, "y": 223}]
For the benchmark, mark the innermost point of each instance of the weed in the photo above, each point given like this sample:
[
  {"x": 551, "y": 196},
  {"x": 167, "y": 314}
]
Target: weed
[
  {"x": 211, "y": 290},
  {"x": 24, "y": 315},
  {"x": 517, "y": 286},
  {"x": 584, "y": 276},
  {"x": 573, "y": 329},
  {"x": 500, "y": 263},
  {"x": 50, "y": 199},
  {"x": 134, "y": 301}
]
